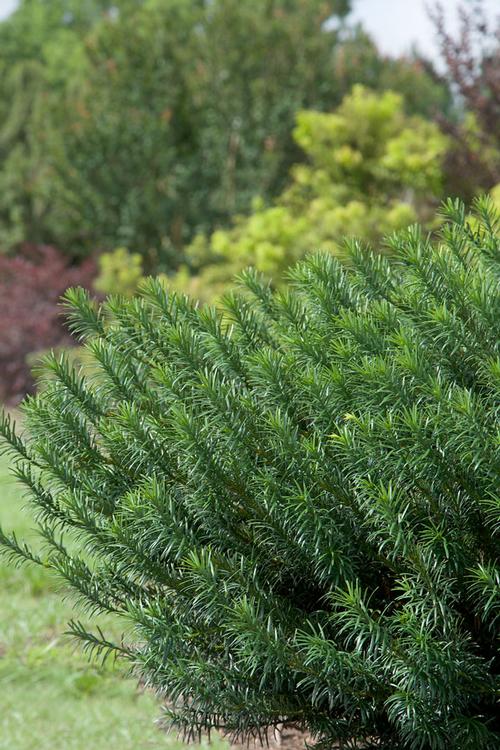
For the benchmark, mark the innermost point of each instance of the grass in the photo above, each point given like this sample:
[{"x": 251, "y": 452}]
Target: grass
[{"x": 51, "y": 697}]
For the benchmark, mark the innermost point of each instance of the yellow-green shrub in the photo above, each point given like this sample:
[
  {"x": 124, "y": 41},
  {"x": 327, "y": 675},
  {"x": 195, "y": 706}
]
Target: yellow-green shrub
[
  {"x": 120, "y": 272},
  {"x": 370, "y": 169}
]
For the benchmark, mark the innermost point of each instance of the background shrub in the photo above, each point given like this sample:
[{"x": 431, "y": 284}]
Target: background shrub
[
  {"x": 471, "y": 60},
  {"x": 31, "y": 285},
  {"x": 293, "y": 501},
  {"x": 370, "y": 169},
  {"x": 138, "y": 124}
]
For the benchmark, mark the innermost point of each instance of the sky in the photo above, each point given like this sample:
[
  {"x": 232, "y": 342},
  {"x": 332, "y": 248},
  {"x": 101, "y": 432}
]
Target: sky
[
  {"x": 396, "y": 25},
  {"x": 6, "y": 7}
]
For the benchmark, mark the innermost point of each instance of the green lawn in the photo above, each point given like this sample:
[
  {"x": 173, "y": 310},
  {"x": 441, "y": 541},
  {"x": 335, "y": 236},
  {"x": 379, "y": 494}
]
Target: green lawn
[{"x": 51, "y": 698}]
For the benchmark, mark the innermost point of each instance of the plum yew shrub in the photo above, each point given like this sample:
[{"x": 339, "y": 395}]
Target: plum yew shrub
[{"x": 292, "y": 501}]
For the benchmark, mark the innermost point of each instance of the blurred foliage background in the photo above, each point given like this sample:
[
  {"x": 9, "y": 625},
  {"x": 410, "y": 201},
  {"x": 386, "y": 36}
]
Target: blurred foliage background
[
  {"x": 143, "y": 123},
  {"x": 188, "y": 139}
]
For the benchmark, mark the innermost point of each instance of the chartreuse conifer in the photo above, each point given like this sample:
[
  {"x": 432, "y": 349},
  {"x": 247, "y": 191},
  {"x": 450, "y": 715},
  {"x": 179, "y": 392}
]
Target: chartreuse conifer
[{"x": 295, "y": 500}]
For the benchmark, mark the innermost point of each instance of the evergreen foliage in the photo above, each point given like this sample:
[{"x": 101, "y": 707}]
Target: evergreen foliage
[{"x": 294, "y": 501}]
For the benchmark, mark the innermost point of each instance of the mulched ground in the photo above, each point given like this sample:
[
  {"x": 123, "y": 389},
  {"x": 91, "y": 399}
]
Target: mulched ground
[{"x": 288, "y": 738}]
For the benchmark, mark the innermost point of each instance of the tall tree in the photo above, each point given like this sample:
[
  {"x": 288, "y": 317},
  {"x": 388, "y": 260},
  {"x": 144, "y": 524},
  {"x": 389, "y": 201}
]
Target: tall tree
[{"x": 159, "y": 119}]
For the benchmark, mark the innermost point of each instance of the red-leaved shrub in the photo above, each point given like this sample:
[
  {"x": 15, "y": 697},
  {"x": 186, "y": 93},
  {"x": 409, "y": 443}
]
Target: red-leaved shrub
[
  {"x": 471, "y": 58},
  {"x": 31, "y": 285}
]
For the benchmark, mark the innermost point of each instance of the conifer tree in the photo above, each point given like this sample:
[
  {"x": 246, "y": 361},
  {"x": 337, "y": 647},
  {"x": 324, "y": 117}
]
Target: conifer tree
[{"x": 295, "y": 500}]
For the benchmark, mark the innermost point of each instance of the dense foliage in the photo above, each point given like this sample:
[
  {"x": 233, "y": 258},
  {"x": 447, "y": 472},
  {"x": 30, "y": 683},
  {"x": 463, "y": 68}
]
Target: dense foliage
[
  {"x": 371, "y": 169},
  {"x": 293, "y": 501},
  {"x": 31, "y": 285},
  {"x": 136, "y": 124}
]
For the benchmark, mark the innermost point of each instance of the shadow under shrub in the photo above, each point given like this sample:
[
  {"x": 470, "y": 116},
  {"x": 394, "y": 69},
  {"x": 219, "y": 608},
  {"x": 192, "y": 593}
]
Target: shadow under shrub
[{"x": 294, "y": 501}]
